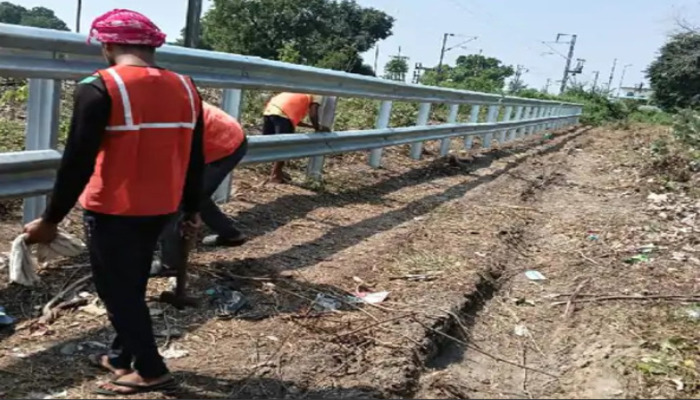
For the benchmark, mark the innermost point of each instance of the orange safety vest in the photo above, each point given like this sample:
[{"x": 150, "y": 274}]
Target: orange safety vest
[
  {"x": 222, "y": 133},
  {"x": 294, "y": 105},
  {"x": 144, "y": 155}
]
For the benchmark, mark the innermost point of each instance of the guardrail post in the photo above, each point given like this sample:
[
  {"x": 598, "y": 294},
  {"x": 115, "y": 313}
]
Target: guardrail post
[
  {"x": 545, "y": 114},
  {"x": 43, "y": 113},
  {"x": 451, "y": 119},
  {"x": 491, "y": 118},
  {"x": 315, "y": 167},
  {"x": 423, "y": 116},
  {"x": 559, "y": 112},
  {"x": 579, "y": 111},
  {"x": 232, "y": 103},
  {"x": 375, "y": 155},
  {"x": 473, "y": 118},
  {"x": 507, "y": 115},
  {"x": 535, "y": 114},
  {"x": 527, "y": 114},
  {"x": 513, "y": 133}
]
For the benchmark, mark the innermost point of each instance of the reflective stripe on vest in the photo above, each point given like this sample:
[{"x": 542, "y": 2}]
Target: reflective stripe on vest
[
  {"x": 142, "y": 164},
  {"x": 129, "y": 119}
]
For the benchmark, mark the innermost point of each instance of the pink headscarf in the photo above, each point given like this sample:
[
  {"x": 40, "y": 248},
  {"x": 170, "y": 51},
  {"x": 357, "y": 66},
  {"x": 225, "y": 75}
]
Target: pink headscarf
[{"x": 126, "y": 27}]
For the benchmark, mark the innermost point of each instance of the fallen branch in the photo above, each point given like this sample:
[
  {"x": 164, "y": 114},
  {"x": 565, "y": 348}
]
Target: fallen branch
[
  {"x": 53, "y": 313},
  {"x": 568, "y": 311},
  {"x": 682, "y": 299},
  {"x": 47, "y": 312}
]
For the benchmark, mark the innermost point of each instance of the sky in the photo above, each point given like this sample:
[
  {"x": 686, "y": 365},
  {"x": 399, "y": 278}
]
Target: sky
[{"x": 512, "y": 30}]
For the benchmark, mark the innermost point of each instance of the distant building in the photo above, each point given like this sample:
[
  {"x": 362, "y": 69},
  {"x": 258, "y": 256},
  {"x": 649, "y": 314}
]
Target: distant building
[{"x": 635, "y": 93}]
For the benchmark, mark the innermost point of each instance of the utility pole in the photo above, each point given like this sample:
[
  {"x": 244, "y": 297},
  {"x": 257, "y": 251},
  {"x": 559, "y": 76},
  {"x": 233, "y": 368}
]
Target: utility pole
[
  {"x": 515, "y": 83},
  {"x": 417, "y": 72},
  {"x": 77, "y": 16},
  {"x": 622, "y": 78},
  {"x": 546, "y": 86},
  {"x": 398, "y": 76},
  {"x": 443, "y": 50},
  {"x": 612, "y": 76},
  {"x": 569, "y": 58},
  {"x": 194, "y": 15},
  {"x": 595, "y": 81},
  {"x": 376, "y": 59}
]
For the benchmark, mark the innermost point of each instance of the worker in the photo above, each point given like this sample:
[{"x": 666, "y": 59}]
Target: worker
[
  {"x": 135, "y": 152},
  {"x": 283, "y": 114},
  {"x": 225, "y": 145}
]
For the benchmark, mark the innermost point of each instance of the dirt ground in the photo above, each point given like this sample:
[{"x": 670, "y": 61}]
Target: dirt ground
[{"x": 451, "y": 240}]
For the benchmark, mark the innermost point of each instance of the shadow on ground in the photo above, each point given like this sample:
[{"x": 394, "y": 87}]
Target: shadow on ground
[{"x": 39, "y": 371}]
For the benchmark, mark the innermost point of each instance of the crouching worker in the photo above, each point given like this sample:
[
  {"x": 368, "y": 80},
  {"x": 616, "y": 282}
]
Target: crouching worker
[
  {"x": 135, "y": 158},
  {"x": 283, "y": 114},
  {"x": 225, "y": 145}
]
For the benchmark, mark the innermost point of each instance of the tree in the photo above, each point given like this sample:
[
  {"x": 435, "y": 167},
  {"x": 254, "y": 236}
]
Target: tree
[
  {"x": 472, "y": 72},
  {"x": 396, "y": 69},
  {"x": 323, "y": 33},
  {"x": 39, "y": 17},
  {"x": 516, "y": 85},
  {"x": 675, "y": 74}
]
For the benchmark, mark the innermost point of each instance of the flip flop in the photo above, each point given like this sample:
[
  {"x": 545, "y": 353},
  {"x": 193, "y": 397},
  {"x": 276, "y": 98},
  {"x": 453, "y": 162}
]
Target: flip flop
[
  {"x": 165, "y": 386},
  {"x": 96, "y": 361}
]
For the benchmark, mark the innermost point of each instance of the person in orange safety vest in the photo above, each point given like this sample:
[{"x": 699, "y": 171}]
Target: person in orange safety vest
[
  {"x": 225, "y": 145},
  {"x": 283, "y": 114},
  {"x": 135, "y": 152}
]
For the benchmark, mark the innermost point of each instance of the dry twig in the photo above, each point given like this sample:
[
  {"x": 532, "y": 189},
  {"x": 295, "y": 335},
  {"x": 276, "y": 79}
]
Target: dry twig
[
  {"x": 682, "y": 299},
  {"x": 48, "y": 314},
  {"x": 569, "y": 309}
]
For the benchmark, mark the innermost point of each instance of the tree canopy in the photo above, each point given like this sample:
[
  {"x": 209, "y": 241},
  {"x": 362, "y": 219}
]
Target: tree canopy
[
  {"x": 472, "y": 72},
  {"x": 39, "y": 17},
  {"x": 396, "y": 69},
  {"x": 675, "y": 74},
  {"x": 323, "y": 33}
]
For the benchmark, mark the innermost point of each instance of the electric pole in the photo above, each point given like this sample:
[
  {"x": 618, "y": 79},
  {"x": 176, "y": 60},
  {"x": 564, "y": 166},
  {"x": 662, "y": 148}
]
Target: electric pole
[
  {"x": 418, "y": 72},
  {"x": 516, "y": 82},
  {"x": 546, "y": 86},
  {"x": 595, "y": 81},
  {"x": 569, "y": 58},
  {"x": 376, "y": 59},
  {"x": 443, "y": 50},
  {"x": 77, "y": 16},
  {"x": 612, "y": 75},
  {"x": 622, "y": 78},
  {"x": 194, "y": 15},
  {"x": 398, "y": 76}
]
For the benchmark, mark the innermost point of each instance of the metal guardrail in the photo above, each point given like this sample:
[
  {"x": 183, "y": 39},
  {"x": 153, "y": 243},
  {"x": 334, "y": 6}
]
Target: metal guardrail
[{"x": 47, "y": 56}]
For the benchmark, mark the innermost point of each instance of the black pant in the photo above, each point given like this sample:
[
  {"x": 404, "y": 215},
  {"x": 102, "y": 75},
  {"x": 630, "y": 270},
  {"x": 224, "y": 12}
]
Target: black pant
[
  {"x": 276, "y": 125},
  {"x": 212, "y": 216},
  {"x": 121, "y": 252}
]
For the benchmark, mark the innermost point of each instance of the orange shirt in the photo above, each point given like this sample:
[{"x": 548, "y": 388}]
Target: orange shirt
[
  {"x": 223, "y": 134},
  {"x": 293, "y": 106}
]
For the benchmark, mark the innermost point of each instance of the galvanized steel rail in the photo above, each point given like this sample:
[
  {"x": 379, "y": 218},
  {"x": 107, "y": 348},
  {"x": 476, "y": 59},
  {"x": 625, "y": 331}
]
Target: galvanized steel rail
[{"x": 47, "y": 56}]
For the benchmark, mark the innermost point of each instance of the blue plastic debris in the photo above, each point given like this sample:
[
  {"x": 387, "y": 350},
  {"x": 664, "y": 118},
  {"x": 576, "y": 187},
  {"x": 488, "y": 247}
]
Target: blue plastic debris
[{"x": 5, "y": 320}]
